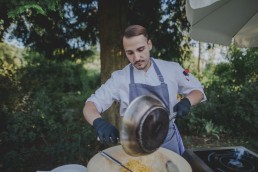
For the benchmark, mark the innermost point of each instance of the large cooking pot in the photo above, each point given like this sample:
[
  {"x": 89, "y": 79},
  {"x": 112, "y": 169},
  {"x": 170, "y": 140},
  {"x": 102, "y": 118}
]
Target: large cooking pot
[
  {"x": 156, "y": 161},
  {"x": 144, "y": 126}
]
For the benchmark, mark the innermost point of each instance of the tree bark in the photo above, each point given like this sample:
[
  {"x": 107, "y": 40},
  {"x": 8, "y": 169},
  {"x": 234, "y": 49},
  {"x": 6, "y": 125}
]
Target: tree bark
[{"x": 112, "y": 22}]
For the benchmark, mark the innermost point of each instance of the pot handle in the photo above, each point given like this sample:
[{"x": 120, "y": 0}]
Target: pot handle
[{"x": 172, "y": 116}]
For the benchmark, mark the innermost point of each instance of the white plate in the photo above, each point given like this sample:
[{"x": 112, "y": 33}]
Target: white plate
[{"x": 70, "y": 168}]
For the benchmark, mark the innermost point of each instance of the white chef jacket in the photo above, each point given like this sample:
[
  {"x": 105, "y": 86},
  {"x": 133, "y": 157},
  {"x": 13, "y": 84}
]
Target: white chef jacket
[{"x": 116, "y": 87}]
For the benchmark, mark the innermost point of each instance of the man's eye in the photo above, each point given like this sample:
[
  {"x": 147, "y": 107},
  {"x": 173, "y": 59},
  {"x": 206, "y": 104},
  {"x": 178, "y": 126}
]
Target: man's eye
[{"x": 141, "y": 49}]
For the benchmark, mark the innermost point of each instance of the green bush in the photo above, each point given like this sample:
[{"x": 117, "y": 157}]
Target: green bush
[
  {"x": 42, "y": 126},
  {"x": 232, "y": 98}
]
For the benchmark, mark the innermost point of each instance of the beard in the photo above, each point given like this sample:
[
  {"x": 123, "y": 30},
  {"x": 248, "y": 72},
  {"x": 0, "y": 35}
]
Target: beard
[{"x": 142, "y": 64}]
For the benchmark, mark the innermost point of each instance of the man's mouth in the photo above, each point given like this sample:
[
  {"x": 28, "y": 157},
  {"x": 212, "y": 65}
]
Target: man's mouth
[{"x": 138, "y": 62}]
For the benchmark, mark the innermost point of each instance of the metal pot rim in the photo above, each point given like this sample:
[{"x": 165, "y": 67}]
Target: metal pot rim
[{"x": 138, "y": 109}]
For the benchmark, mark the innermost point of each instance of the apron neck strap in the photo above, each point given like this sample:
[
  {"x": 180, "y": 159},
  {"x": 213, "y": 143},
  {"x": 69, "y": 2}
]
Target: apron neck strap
[
  {"x": 161, "y": 79},
  {"x": 131, "y": 74}
]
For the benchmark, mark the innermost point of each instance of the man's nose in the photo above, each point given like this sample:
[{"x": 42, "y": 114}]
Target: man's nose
[{"x": 137, "y": 56}]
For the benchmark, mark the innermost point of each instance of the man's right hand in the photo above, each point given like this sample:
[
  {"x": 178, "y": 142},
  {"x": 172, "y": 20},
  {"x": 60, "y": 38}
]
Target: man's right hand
[{"x": 107, "y": 133}]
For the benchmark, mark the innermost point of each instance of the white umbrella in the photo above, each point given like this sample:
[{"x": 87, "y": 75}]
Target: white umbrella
[{"x": 224, "y": 21}]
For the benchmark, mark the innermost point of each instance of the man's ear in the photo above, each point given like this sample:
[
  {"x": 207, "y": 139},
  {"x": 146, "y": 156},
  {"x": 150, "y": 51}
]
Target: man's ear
[{"x": 149, "y": 44}]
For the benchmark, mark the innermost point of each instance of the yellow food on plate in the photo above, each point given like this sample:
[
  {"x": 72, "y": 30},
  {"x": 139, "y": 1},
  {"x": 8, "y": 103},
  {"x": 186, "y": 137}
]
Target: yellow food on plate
[{"x": 136, "y": 166}]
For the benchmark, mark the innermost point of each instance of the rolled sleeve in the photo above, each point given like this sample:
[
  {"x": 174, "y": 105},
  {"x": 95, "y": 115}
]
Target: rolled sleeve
[
  {"x": 106, "y": 94},
  {"x": 188, "y": 83}
]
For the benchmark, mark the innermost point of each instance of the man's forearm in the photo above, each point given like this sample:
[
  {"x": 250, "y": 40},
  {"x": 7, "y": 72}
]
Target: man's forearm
[
  {"x": 195, "y": 97},
  {"x": 90, "y": 112}
]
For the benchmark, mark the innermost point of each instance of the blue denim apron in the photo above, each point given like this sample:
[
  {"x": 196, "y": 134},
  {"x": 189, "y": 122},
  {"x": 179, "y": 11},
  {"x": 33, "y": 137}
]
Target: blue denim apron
[{"x": 173, "y": 140}]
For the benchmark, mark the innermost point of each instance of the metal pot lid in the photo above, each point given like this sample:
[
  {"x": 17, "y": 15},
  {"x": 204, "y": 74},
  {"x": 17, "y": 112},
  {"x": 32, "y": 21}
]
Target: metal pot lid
[{"x": 144, "y": 126}]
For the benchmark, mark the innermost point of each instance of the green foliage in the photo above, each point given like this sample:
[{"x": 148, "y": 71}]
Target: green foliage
[
  {"x": 197, "y": 125},
  {"x": 10, "y": 60},
  {"x": 231, "y": 106},
  {"x": 211, "y": 129},
  {"x": 22, "y": 9},
  {"x": 41, "y": 121},
  {"x": 1, "y": 26},
  {"x": 61, "y": 29}
]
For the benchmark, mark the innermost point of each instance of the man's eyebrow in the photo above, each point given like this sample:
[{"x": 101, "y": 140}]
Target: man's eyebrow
[
  {"x": 141, "y": 47},
  {"x": 128, "y": 51}
]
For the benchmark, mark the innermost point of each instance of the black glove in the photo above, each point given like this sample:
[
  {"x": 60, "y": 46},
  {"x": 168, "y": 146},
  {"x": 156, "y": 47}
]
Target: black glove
[
  {"x": 107, "y": 132},
  {"x": 182, "y": 108}
]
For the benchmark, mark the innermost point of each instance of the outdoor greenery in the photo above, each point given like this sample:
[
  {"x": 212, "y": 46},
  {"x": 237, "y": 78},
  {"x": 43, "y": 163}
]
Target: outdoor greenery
[
  {"x": 65, "y": 29},
  {"x": 231, "y": 109},
  {"x": 41, "y": 122}
]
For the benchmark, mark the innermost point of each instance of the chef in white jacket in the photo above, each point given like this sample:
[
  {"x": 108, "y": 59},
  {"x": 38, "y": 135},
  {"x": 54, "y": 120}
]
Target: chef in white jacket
[{"x": 144, "y": 75}]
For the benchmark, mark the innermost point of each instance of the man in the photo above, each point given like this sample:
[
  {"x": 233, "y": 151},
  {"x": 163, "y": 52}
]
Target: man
[{"x": 142, "y": 76}]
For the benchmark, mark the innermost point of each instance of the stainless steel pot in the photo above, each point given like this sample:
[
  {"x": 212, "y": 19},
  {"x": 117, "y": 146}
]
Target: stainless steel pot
[{"x": 144, "y": 126}]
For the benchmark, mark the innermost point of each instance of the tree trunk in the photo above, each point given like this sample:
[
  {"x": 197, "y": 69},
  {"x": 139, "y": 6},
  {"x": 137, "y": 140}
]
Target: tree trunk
[{"x": 112, "y": 22}]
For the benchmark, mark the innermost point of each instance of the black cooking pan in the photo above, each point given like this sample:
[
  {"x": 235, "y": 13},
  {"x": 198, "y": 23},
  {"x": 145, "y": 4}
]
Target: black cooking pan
[{"x": 144, "y": 126}]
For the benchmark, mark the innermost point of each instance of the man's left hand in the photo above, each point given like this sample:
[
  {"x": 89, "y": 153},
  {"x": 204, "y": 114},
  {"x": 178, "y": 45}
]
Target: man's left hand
[{"x": 182, "y": 108}]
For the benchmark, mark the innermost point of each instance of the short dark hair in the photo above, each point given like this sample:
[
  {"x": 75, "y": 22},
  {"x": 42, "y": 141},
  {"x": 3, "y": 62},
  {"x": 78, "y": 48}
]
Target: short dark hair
[{"x": 135, "y": 30}]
